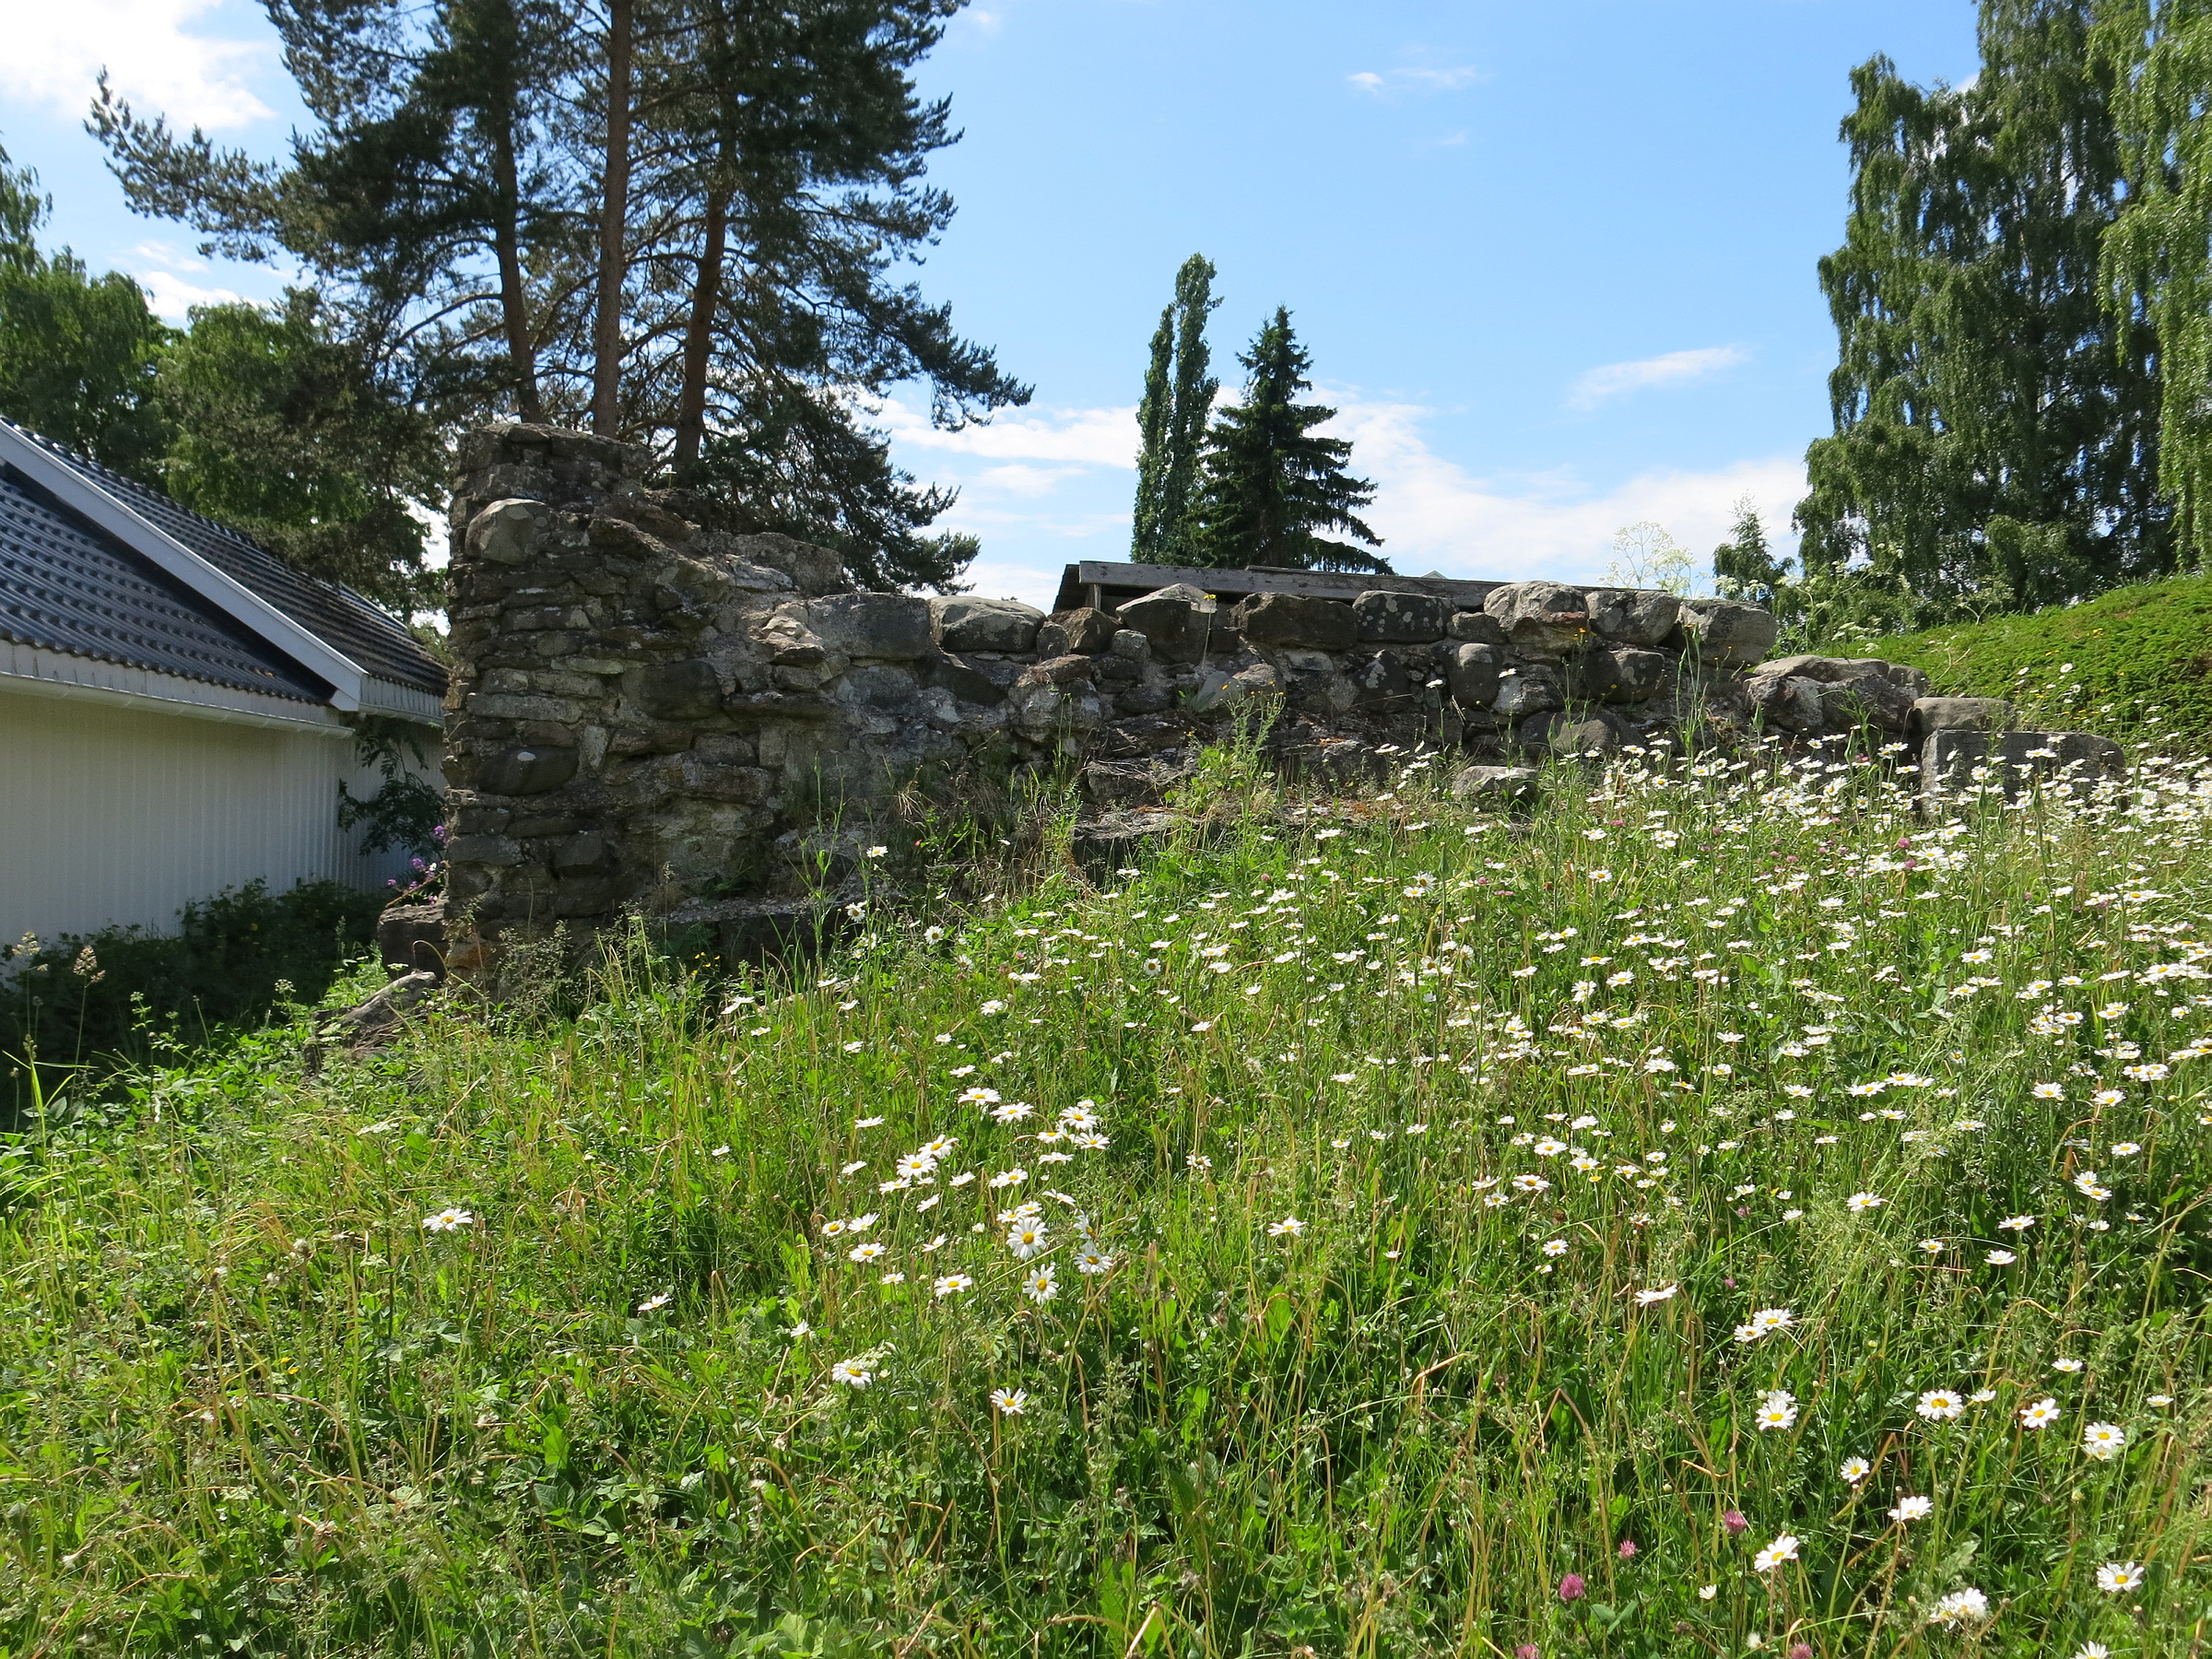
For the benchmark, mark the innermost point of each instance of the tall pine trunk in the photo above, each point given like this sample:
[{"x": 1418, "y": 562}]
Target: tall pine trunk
[
  {"x": 613, "y": 224},
  {"x": 699, "y": 332},
  {"x": 514, "y": 297}
]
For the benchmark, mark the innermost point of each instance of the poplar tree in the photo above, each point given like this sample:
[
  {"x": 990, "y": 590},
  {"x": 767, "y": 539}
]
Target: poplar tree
[
  {"x": 1995, "y": 425},
  {"x": 1271, "y": 482},
  {"x": 2157, "y": 254},
  {"x": 1172, "y": 418}
]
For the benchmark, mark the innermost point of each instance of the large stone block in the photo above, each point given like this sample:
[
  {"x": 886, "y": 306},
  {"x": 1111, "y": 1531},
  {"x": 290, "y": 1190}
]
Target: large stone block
[
  {"x": 1176, "y": 619},
  {"x": 1381, "y": 679},
  {"x": 1725, "y": 633},
  {"x": 1620, "y": 674},
  {"x": 1540, "y": 619},
  {"x": 1003, "y": 625},
  {"x": 1495, "y": 785},
  {"x": 1084, "y": 632},
  {"x": 1784, "y": 702},
  {"x": 522, "y": 771},
  {"x": 1476, "y": 628},
  {"x": 1536, "y": 690},
  {"x": 1400, "y": 618},
  {"x": 682, "y": 691},
  {"x": 1472, "y": 672},
  {"x": 1633, "y": 616},
  {"x": 892, "y": 627},
  {"x": 1295, "y": 620},
  {"x": 509, "y": 532},
  {"x": 2016, "y": 762},
  {"x": 1962, "y": 714},
  {"x": 1844, "y": 670}
]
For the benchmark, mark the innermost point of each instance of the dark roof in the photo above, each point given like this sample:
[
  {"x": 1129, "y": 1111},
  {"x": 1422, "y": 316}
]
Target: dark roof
[
  {"x": 67, "y": 587},
  {"x": 338, "y": 616}
]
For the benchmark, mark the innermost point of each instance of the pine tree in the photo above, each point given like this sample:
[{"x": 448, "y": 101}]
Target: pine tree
[
  {"x": 1172, "y": 417},
  {"x": 1996, "y": 426},
  {"x": 1271, "y": 482},
  {"x": 2158, "y": 260},
  {"x": 1744, "y": 566},
  {"x": 680, "y": 220}
]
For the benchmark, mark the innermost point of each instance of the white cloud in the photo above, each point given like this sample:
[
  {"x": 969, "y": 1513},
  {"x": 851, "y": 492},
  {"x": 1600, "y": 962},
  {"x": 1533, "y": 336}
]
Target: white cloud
[
  {"x": 1433, "y": 514},
  {"x": 173, "y": 298},
  {"x": 1415, "y": 78},
  {"x": 1616, "y": 379},
  {"x": 55, "y": 52},
  {"x": 1088, "y": 437}
]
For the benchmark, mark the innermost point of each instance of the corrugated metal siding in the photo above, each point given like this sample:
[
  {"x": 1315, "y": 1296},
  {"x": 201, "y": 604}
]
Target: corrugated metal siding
[{"x": 113, "y": 815}]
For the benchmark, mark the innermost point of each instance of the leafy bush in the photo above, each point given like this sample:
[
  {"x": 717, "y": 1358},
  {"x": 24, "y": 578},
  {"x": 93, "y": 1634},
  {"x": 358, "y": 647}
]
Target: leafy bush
[
  {"x": 1595, "y": 1231},
  {"x": 95, "y": 1001},
  {"x": 2130, "y": 664}
]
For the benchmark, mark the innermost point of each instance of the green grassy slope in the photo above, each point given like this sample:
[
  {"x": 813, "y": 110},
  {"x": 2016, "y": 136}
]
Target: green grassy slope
[
  {"x": 1388, "y": 1233},
  {"x": 2116, "y": 663}
]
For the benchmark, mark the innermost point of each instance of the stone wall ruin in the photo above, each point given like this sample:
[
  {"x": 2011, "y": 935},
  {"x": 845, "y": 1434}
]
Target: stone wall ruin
[{"x": 656, "y": 710}]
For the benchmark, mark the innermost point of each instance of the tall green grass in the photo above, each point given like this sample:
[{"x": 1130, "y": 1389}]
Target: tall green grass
[{"x": 1349, "y": 1381}]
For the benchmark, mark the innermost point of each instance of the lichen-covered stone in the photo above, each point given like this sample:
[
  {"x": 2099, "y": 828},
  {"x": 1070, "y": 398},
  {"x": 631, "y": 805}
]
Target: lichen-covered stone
[
  {"x": 1297, "y": 621},
  {"x": 1540, "y": 619},
  {"x": 1727, "y": 633},
  {"x": 1176, "y": 620},
  {"x": 1633, "y": 616},
  {"x": 1400, "y": 618},
  {"x": 965, "y": 623}
]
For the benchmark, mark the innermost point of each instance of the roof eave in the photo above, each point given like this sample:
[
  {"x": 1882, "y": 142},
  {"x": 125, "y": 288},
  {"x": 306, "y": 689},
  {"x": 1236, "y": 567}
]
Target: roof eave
[{"x": 248, "y": 609}]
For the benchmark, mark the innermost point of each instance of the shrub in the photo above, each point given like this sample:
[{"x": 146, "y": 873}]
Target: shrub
[{"x": 91, "y": 1002}]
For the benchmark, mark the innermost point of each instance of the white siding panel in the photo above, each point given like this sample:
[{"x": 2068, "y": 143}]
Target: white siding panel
[{"x": 110, "y": 815}]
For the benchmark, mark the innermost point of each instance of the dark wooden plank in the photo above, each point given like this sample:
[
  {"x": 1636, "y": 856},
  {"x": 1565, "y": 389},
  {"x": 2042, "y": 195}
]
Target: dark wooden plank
[{"x": 1118, "y": 581}]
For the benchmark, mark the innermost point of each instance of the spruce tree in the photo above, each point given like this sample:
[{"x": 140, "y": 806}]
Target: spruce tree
[
  {"x": 1996, "y": 426},
  {"x": 1271, "y": 482},
  {"x": 1744, "y": 566},
  {"x": 1172, "y": 417}
]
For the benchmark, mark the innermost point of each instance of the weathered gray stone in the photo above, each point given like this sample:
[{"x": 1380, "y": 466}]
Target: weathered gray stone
[
  {"x": 1381, "y": 679},
  {"x": 1060, "y": 670},
  {"x": 1218, "y": 693},
  {"x": 582, "y": 854},
  {"x": 509, "y": 532},
  {"x": 1725, "y": 633},
  {"x": 878, "y": 687},
  {"x": 1784, "y": 702},
  {"x": 1599, "y": 734},
  {"x": 1962, "y": 714},
  {"x": 1477, "y": 627},
  {"x": 1471, "y": 671},
  {"x": 411, "y": 938},
  {"x": 1130, "y": 646},
  {"x": 1400, "y": 618},
  {"x": 1299, "y": 620},
  {"x": 1495, "y": 785},
  {"x": 680, "y": 690},
  {"x": 2016, "y": 762},
  {"x": 1536, "y": 690},
  {"x": 891, "y": 627},
  {"x": 524, "y": 771},
  {"x": 813, "y": 570},
  {"x": 1619, "y": 674},
  {"x": 1541, "y": 618},
  {"x": 1634, "y": 615},
  {"x": 1842, "y": 671},
  {"x": 1084, "y": 632},
  {"x": 1176, "y": 619},
  {"x": 1872, "y": 699},
  {"x": 968, "y": 624}
]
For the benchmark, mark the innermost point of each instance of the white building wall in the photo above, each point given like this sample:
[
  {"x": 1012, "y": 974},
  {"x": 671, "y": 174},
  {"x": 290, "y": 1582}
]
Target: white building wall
[{"x": 121, "y": 811}]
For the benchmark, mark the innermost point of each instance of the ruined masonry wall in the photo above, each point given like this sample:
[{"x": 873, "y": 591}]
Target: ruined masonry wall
[{"x": 655, "y": 709}]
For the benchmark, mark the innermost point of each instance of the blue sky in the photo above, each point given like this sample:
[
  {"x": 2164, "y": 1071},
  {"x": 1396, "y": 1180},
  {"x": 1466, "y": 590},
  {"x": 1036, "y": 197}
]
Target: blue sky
[{"x": 1555, "y": 263}]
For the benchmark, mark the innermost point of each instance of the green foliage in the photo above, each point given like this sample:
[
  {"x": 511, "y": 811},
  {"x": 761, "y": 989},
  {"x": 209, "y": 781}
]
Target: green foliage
[
  {"x": 1271, "y": 482},
  {"x": 91, "y": 1003},
  {"x": 281, "y": 431},
  {"x": 2137, "y": 662},
  {"x": 1996, "y": 431},
  {"x": 2158, "y": 260},
  {"x": 1743, "y": 567},
  {"x": 406, "y": 811},
  {"x": 445, "y": 199},
  {"x": 76, "y": 351},
  {"x": 1375, "y": 1355},
  {"x": 1172, "y": 418}
]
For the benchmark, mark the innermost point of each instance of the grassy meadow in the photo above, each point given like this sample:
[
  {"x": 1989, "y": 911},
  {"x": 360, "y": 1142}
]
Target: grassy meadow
[{"x": 1718, "y": 1211}]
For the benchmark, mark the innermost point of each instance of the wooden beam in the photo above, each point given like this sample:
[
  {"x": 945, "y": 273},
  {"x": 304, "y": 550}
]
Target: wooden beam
[{"x": 1088, "y": 583}]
